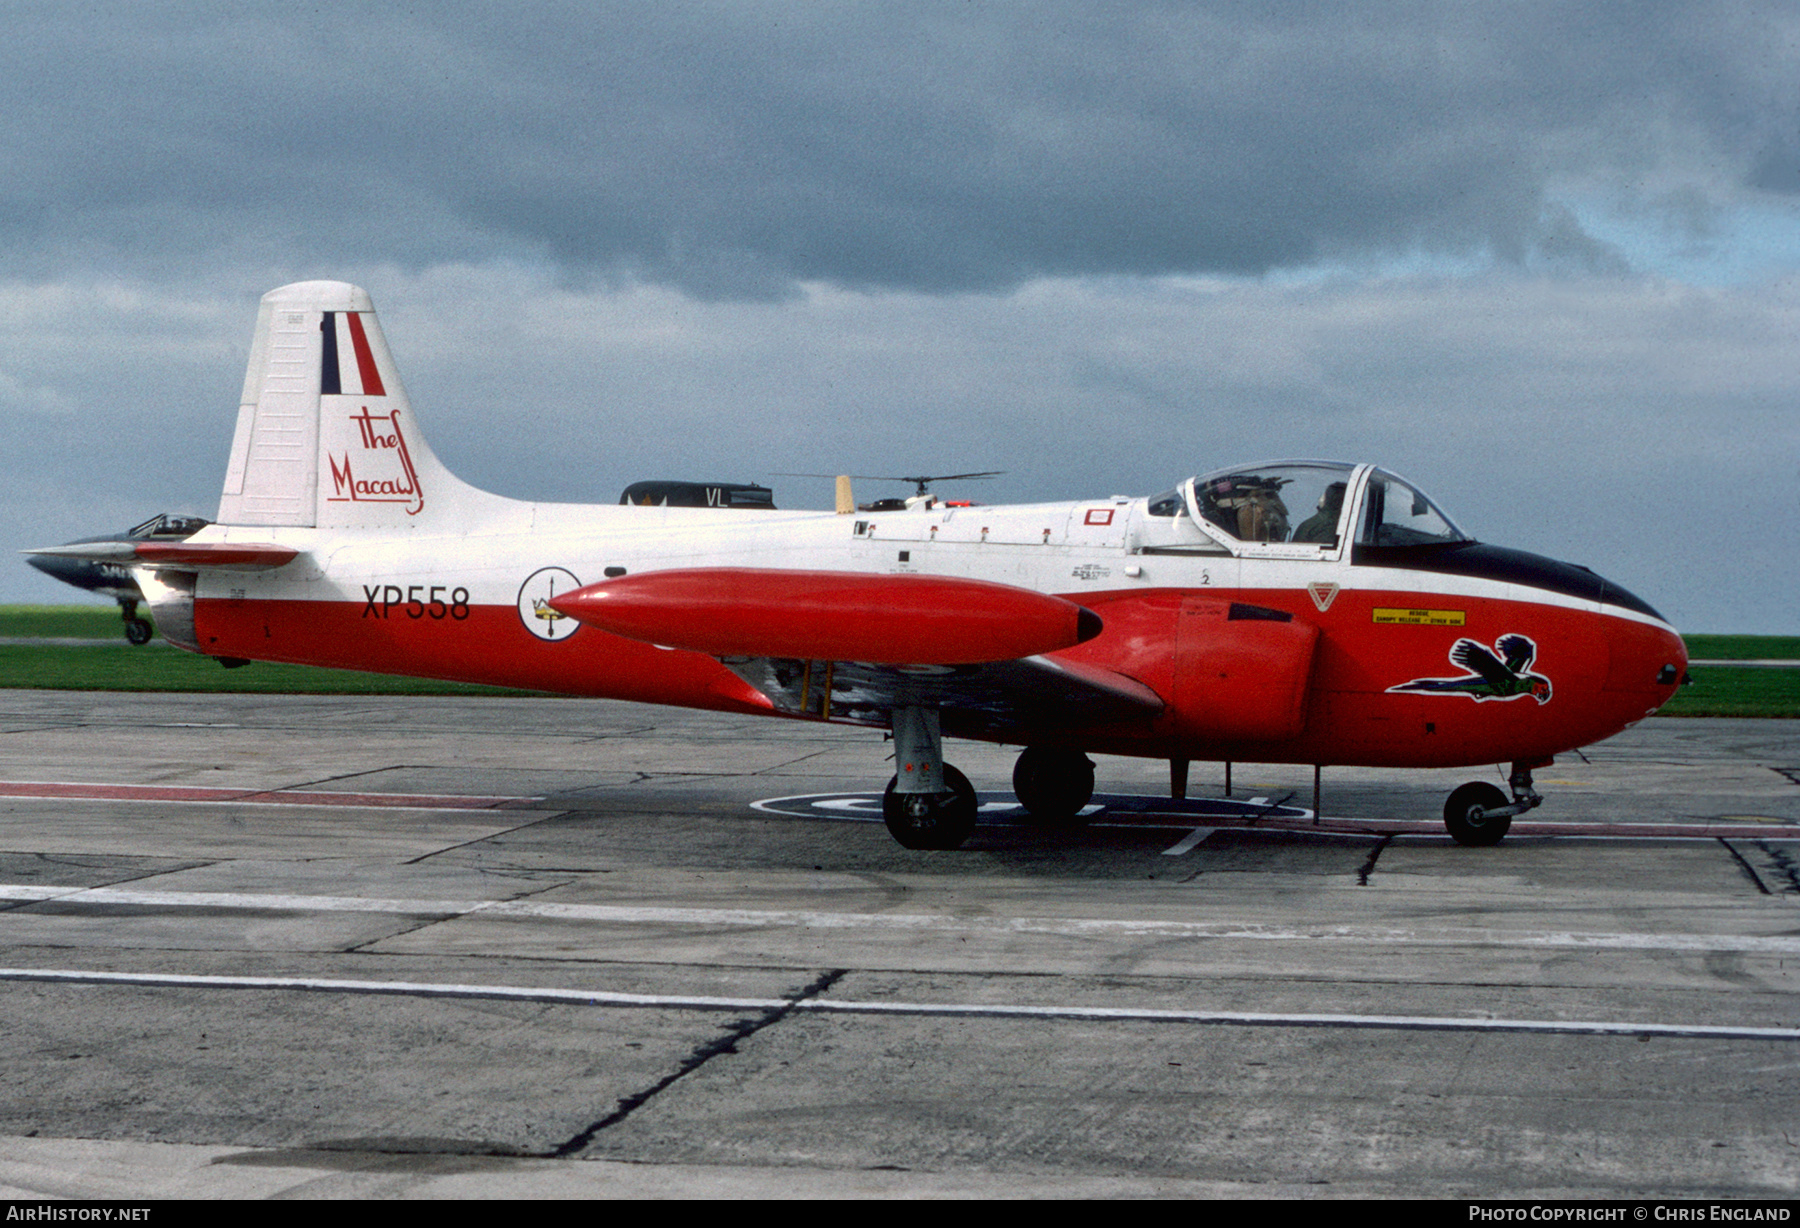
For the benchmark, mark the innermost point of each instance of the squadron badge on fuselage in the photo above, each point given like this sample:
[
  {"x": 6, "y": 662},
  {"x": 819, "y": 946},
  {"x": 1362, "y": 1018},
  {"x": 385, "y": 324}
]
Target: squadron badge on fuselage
[
  {"x": 534, "y": 603},
  {"x": 1504, "y": 676}
]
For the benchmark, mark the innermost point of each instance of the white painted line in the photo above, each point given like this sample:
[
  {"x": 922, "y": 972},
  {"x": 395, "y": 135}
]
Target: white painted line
[
  {"x": 754, "y": 918},
  {"x": 410, "y": 989},
  {"x": 22, "y": 891},
  {"x": 1189, "y": 842},
  {"x": 126, "y": 896},
  {"x": 1110, "y": 1014}
]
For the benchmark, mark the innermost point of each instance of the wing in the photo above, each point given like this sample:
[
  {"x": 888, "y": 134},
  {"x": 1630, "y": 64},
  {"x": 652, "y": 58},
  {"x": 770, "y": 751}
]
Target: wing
[
  {"x": 993, "y": 699},
  {"x": 855, "y": 646}
]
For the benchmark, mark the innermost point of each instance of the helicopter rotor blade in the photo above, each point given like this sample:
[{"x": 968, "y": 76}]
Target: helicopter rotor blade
[{"x": 919, "y": 481}]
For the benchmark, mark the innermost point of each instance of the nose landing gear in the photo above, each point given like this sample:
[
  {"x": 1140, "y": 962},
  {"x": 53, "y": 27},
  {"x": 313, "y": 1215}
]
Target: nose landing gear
[
  {"x": 1479, "y": 816},
  {"x": 138, "y": 631}
]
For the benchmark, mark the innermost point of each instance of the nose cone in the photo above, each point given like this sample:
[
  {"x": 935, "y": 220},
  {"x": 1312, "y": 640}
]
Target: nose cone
[
  {"x": 68, "y": 564},
  {"x": 1646, "y": 663},
  {"x": 69, "y": 571}
]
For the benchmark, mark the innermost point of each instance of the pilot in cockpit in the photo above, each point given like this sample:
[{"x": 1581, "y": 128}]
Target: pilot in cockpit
[{"x": 1321, "y": 526}]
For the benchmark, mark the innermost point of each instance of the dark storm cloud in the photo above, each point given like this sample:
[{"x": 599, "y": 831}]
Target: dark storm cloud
[{"x": 734, "y": 148}]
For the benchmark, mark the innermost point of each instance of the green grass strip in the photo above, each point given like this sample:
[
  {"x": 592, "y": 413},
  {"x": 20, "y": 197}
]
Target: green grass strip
[
  {"x": 157, "y": 667},
  {"x": 1743, "y": 647},
  {"x": 83, "y": 622},
  {"x": 1723, "y": 690}
]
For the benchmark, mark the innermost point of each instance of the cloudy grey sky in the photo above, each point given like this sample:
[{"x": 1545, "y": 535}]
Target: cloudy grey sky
[{"x": 1544, "y": 259}]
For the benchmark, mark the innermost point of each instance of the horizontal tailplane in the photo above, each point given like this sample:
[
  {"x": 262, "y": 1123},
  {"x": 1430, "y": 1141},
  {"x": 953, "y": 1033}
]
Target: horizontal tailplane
[{"x": 181, "y": 556}]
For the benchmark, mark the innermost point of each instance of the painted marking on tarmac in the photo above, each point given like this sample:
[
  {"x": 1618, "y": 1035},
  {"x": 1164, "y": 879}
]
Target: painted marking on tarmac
[
  {"x": 1180, "y": 812},
  {"x": 216, "y": 795},
  {"x": 754, "y": 918},
  {"x": 1135, "y": 811},
  {"x": 1189, "y": 842},
  {"x": 838, "y": 1006}
]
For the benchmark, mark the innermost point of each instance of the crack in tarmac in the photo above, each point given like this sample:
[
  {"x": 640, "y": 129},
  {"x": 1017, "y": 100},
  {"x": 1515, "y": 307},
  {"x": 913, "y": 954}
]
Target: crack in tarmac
[
  {"x": 1748, "y": 869},
  {"x": 740, "y": 1030},
  {"x": 1368, "y": 867}
]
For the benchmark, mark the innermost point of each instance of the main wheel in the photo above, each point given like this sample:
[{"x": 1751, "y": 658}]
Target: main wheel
[
  {"x": 1054, "y": 785},
  {"x": 138, "y": 631},
  {"x": 931, "y": 820},
  {"x": 1465, "y": 814}
]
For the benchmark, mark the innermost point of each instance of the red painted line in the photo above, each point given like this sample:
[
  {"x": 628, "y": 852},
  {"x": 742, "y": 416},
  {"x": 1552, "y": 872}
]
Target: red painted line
[{"x": 255, "y": 797}]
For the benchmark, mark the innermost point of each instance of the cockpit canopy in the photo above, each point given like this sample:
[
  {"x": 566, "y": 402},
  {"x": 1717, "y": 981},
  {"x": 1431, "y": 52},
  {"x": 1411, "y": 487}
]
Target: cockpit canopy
[
  {"x": 168, "y": 525},
  {"x": 1309, "y": 504},
  {"x": 1396, "y": 513}
]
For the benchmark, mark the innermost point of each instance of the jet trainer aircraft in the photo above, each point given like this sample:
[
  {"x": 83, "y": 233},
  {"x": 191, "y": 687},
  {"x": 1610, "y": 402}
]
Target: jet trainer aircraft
[
  {"x": 1303, "y": 612},
  {"x": 107, "y": 570}
]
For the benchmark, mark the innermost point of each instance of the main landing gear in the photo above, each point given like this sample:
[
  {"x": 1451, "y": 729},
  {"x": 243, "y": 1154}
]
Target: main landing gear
[
  {"x": 1054, "y": 785},
  {"x": 928, "y": 804},
  {"x": 1478, "y": 814},
  {"x": 931, "y": 820}
]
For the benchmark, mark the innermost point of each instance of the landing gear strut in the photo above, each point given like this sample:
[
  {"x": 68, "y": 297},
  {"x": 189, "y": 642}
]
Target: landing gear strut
[
  {"x": 1054, "y": 785},
  {"x": 1478, "y": 815},
  {"x": 137, "y": 630},
  {"x": 928, "y": 804}
]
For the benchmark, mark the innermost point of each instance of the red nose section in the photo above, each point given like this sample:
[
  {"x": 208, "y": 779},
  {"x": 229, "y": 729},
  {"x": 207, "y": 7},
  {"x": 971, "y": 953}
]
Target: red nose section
[
  {"x": 832, "y": 616},
  {"x": 1644, "y": 660}
]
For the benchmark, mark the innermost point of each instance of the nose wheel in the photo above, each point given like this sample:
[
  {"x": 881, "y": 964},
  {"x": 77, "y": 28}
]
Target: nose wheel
[
  {"x": 1478, "y": 815},
  {"x": 1470, "y": 815},
  {"x": 138, "y": 631}
]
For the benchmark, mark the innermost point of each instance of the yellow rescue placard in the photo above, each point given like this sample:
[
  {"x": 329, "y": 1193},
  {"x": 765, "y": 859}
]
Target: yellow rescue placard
[{"x": 1429, "y": 618}]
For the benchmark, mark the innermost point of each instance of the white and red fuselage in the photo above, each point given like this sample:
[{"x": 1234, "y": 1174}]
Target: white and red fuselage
[{"x": 1375, "y": 633}]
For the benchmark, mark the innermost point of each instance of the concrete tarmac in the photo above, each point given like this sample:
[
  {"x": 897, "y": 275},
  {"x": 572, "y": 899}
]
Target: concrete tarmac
[{"x": 395, "y": 947}]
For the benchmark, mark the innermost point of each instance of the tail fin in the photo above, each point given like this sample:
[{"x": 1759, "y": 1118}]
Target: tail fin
[{"x": 325, "y": 435}]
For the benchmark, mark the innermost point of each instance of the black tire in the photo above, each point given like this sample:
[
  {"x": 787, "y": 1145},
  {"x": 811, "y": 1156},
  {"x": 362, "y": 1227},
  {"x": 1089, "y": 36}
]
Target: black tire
[
  {"x": 1469, "y": 825},
  {"x": 1054, "y": 786},
  {"x": 138, "y": 631},
  {"x": 931, "y": 820}
]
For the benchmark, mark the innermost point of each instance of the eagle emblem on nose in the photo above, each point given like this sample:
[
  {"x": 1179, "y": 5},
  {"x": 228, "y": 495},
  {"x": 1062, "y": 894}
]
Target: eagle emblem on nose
[{"x": 1504, "y": 673}]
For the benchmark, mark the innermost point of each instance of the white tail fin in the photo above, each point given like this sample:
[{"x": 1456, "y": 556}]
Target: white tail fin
[{"x": 325, "y": 435}]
